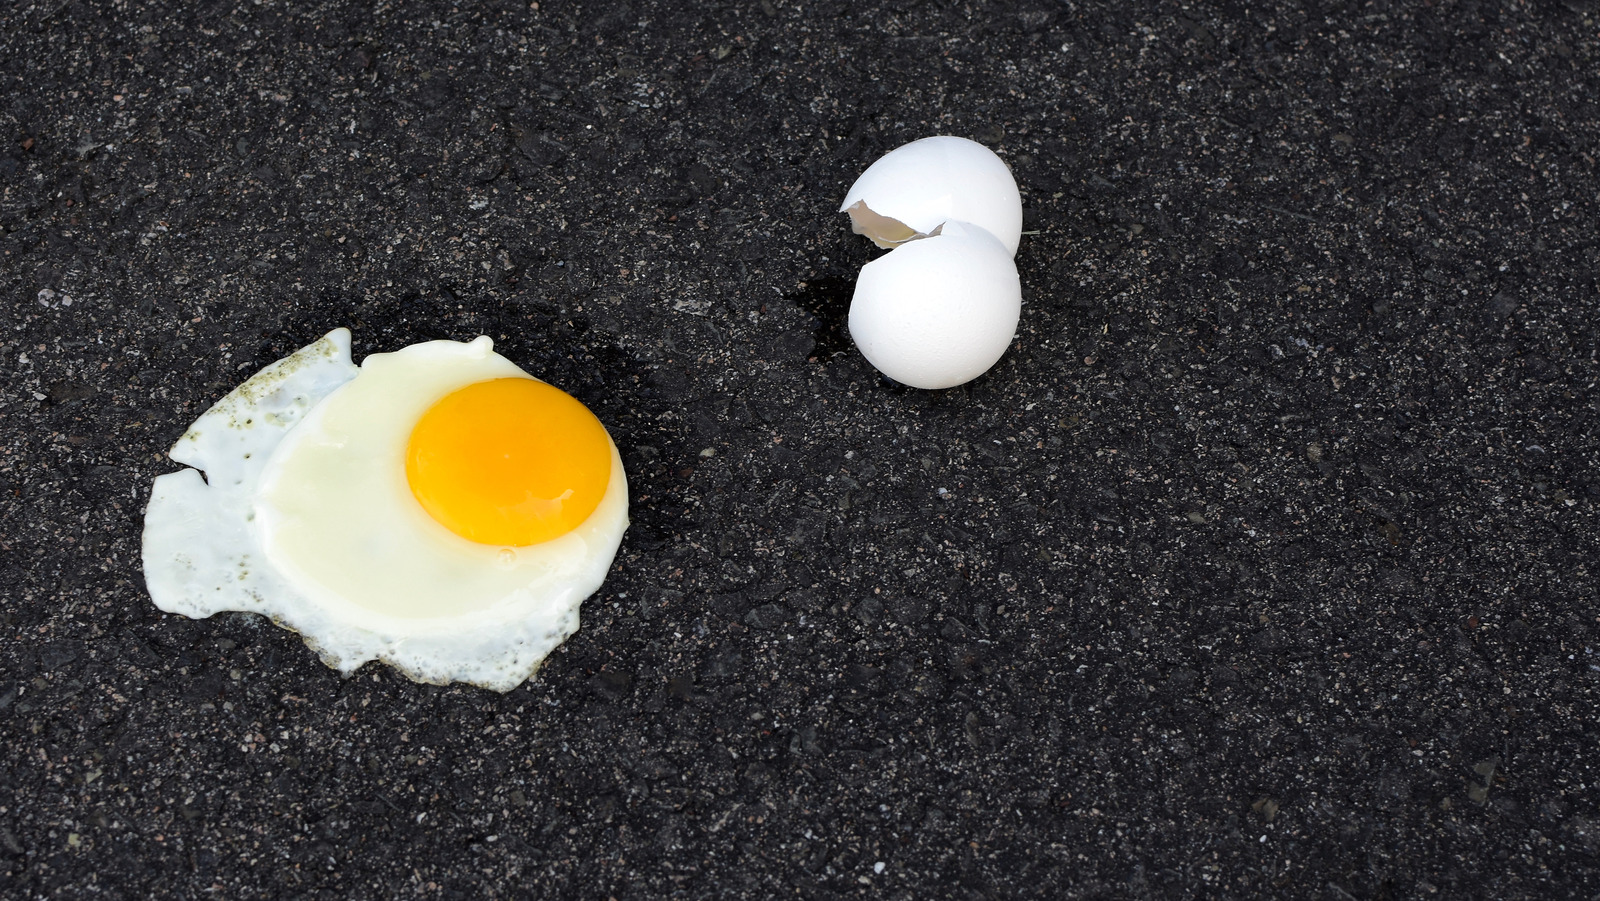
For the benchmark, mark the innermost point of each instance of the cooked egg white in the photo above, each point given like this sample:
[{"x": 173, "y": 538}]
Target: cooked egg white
[{"x": 437, "y": 509}]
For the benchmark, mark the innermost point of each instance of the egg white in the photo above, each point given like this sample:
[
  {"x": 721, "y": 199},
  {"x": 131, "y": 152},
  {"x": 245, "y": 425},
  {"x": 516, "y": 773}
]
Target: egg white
[{"x": 305, "y": 516}]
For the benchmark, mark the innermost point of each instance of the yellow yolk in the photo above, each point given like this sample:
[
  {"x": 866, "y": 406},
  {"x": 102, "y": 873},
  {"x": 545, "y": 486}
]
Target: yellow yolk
[{"x": 509, "y": 462}]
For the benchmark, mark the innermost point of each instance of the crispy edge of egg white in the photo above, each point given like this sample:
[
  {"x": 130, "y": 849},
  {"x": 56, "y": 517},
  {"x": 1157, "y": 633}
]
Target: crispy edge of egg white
[{"x": 199, "y": 554}]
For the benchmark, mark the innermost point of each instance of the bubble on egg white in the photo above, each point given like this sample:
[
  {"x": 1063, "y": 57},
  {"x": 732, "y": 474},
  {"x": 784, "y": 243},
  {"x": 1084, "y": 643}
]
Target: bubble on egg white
[
  {"x": 914, "y": 189},
  {"x": 938, "y": 311}
]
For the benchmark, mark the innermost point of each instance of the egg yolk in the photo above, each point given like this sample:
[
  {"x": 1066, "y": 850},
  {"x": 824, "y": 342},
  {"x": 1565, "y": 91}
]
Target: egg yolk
[{"x": 509, "y": 462}]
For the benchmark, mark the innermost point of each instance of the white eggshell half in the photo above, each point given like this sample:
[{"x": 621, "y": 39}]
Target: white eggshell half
[
  {"x": 935, "y": 180},
  {"x": 939, "y": 311}
]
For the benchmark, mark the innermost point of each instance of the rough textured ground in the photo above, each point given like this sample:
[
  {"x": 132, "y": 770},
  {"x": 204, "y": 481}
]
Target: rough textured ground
[{"x": 1264, "y": 563}]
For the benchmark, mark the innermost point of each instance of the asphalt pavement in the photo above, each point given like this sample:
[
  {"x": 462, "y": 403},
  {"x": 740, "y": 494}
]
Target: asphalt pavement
[{"x": 1262, "y": 565}]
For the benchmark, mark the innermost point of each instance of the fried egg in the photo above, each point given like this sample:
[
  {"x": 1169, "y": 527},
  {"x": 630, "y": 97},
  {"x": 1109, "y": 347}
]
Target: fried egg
[{"x": 436, "y": 508}]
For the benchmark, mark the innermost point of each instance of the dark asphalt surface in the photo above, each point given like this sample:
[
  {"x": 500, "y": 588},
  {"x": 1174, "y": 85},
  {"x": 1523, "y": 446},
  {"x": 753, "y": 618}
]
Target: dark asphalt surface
[{"x": 1262, "y": 565}]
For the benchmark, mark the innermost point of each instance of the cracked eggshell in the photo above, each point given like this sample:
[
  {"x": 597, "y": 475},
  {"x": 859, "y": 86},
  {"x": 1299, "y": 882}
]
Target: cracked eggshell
[
  {"x": 929, "y": 182},
  {"x": 938, "y": 311}
]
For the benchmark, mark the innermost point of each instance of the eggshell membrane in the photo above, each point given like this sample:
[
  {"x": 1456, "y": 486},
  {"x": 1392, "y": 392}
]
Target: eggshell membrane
[
  {"x": 220, "y": 543},
  {"x": 935, "y": 180},
  {"x": 938, "y": 311}
]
